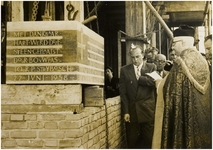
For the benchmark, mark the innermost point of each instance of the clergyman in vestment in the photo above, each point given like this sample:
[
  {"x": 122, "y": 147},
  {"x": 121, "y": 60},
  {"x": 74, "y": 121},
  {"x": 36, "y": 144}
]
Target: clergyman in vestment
[{"x": 183, "y": 108}]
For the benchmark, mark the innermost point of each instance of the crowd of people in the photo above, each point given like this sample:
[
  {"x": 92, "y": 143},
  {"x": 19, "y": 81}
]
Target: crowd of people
[{"x": 173, "y": 111}]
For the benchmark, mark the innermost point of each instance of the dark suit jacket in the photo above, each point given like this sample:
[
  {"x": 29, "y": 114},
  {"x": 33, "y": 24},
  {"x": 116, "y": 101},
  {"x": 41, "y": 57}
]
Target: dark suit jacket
[
  {"x": 138, "y": 96},
  {"x": 165, "y": 73},
  {"x": 114, "y": 84}
]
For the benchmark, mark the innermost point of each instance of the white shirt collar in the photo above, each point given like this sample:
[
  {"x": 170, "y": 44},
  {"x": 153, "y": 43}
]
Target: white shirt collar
[{"x": 140, "y": 66}]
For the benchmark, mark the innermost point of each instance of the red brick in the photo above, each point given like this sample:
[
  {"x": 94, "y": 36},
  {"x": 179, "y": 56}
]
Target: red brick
[
  {"x": 96, "y": 146},
  {"x": 114, "y": 107},
  {"x": 91, "y": 126},
  {"x": 110, "y": 123},
  {"x": 30, "y": 117},
  {"x": 91, "y": 118},
  {"x": 70, "y": 143},
  {"x": 91, "y": 134},
  {"x": 14, "y": 125},
  {"x": 112, "y": 135},
  {"x": 86, "y": 120},
  {"x": 118, "y": 113},
  {"x": 123, "y": 131},
  {"x": 103, "y": 113},
  {"x": 99, "y": 129},
  {"x": 69, "y": 124},
  {"x": 85, "y": 138},
  {"x": 5, "y": 117},
  {"x": 30, "y": 143},
  {"x": 118, "y": 130},
  {"x": 103, "y": 134},
  {"x": 4, "y": 134},
  {"x": 103, "y": 147},
  {"x": 111, "y": 142},
  {"x": 118, "y": 124},
  {"x": 74, "y": 117},
  {"x": 95, "y": 124},
  {"x": 23, "y": 134},
  {"x": 111, "y": 129},
  {"x": 9, "y": 143},
  {"x": 36, "y": 125},
  {"x": 98, "y": 115},
  {"x": 99, "y": 122},
  {"x": 49, "y": 117},
  {"x": 103, "y": 127},
  {"x": 102, "y": 141},
  {"x": 85, "y": 129},
  {"x": 74, "y": 133},
  {"x": 103, "y": 120},
  {"x": 116, "y": 143},
  {"x": 113, "y": 121},
  {"x": 51, "y": 143},
  {"x": 95, "y": 139},
  {"x": 82, "y": 122},
  {"x": 92, "y": 110},
  {"x": 108, "y": 104},
  {"x": 95, "y": 117},
  {"x": 86, "y": 112},
  {"x": 118, "y": 118},
  {"x": 85, "y": 146},
  {"x": 96, "y": 131},
  {"x": 16, "y": 117},
  {"x": 90, "y": 143},
  {"x": 51, "y": 125},
  {"x": 109, "y": 110},
  {"x": 51, "y": 134},
  {"x": 110, "y": 116}
]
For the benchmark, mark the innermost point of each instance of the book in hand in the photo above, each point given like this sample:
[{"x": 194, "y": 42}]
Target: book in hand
[{"x": 154, "y": 75}]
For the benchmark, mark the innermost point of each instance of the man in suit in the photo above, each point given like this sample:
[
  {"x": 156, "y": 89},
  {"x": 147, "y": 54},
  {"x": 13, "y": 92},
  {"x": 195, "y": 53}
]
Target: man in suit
[
  {"x": 160, "y": 62},
  {"x": 169, "y": 63},
  {"x": 208, "y": 50},
  {"x": 137, "y": 93},
  {"x": 172, "y": 55},
  {"x": 150, "y": 54}
]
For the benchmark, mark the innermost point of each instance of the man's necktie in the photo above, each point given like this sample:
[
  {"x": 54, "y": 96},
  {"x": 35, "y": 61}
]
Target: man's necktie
[
  {"x": 159, "y": 72},
  {"x": 138, "y": 73}
]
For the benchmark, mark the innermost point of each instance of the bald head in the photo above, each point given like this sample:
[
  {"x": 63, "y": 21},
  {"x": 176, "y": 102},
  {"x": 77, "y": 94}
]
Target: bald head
[
  {"x": 160, "y": 61},
  {"x": 161, "y": 57}
]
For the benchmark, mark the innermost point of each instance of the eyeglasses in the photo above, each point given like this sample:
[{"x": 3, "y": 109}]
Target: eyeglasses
[{"x": 160, "y": 61}]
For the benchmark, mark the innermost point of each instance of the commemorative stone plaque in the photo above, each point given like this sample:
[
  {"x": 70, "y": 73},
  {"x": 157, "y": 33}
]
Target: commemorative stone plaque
[{"x": 50, "y": 52}]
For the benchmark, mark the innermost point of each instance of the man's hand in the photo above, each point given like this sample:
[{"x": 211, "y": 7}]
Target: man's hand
[{"x": 127, "y": 118}]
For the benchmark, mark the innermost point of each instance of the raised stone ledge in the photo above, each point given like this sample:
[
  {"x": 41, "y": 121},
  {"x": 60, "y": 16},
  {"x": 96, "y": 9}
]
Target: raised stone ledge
[
  {"x": 21, "y": 108},
  {"x": 41, "y": 94}
]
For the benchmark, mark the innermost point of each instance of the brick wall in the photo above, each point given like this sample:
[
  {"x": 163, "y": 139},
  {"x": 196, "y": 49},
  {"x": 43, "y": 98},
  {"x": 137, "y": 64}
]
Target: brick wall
[
  {"x": 116, "y": 128},
  {"x": 91, "y": 128}
]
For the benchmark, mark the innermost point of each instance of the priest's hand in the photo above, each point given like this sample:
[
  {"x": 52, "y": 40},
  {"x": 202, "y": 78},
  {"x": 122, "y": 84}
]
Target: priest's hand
[{"x": 127, "y": 118}]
